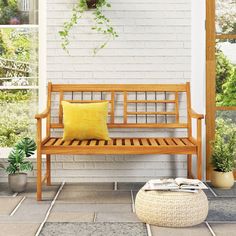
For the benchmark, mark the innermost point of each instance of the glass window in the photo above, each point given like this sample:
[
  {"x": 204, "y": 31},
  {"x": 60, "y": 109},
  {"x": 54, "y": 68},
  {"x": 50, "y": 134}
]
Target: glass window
[
  {"x": 18, "y": 12},
  {"x": 226, "y": 16},
  {"x": 18, "y": 71},
  {"x": 226, "y": 72}
]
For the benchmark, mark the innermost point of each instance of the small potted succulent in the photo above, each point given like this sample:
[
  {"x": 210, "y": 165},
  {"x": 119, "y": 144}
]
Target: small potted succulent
[
  {"x": 18, "y": 164},
  {"x": 223, "y": 155}
]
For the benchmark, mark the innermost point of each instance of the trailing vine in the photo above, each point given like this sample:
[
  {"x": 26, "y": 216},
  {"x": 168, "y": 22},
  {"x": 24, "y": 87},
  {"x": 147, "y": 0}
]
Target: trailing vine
[{"x": 102, "y": 23}]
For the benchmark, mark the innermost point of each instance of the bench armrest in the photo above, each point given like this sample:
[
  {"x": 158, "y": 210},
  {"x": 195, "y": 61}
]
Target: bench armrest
[
  {"x": 42, "y": 115},
  {"x": 196, "y": 115}
]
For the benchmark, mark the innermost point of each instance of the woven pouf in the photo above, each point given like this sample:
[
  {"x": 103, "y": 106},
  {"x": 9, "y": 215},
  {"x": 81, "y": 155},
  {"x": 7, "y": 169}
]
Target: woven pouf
[{"x": 171, "y": 209}]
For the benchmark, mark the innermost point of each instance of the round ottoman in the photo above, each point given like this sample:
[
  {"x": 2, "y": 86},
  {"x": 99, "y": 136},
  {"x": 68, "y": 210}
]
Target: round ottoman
[{"x": 171, "y": 209}]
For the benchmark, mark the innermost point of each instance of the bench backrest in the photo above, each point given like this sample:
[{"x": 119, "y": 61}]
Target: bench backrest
[{"x": 130, "y": 105}]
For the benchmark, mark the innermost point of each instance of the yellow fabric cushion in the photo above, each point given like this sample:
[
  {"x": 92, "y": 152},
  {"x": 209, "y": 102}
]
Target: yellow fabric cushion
[{"x": 85, "y": 121}]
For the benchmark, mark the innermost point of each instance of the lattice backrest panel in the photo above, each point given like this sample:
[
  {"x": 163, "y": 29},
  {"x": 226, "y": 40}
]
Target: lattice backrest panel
[{"x": 129, "y": 105}]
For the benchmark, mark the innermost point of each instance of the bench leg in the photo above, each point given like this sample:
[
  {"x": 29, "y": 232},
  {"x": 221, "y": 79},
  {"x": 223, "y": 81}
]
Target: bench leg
[
  {"x": 199, "y": 162},
  {"x": 189, "y": 161},
  {"x": 39, "y": 175},
  {"x": 48, "y": 169}
]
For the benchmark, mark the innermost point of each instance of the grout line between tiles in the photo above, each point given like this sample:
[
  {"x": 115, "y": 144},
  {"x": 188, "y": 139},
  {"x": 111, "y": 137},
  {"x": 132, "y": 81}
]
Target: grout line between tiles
[
  {"x": 215, "y": 195},
  {"x": 49, "y": 209},
  {"x": 132, "y": 200},
  {"x": 95, "y": 217},
  {"x": 149, "y": 232},
  {"x": 18, "y": 205},
  {"x": 210, "y": 229},
  {"x": 115, "y": 186},
  {"x": 221, "y": 222}
]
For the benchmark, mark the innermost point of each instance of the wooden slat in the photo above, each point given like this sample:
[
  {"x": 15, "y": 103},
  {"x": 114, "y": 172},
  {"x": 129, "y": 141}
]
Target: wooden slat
[
  {"x": 50, "y": 142},
  {"x": 151, "y": 101},
  {"x": 101, "y": 143},
  {"x": 110, "y": 142},
  {"x": 144, "y": 142},
  {"x": 87, "y": 101},
  {"x": 187, "y": 142},
  {"x": 118, "y": 142},
  {"x": 226, "y": 36},
  {"x": 66, "y": 143},
  {"x": 75, "y": 143},
  {"x": 136, "y": 142},
  {"x": 93, "y": 143},
  {"x": 153, "y": 142},
  {"x": 127, "y": 142},
  {"x": 177, "y": 107},
  {"x": 151, "y": 113},
  {"x": 112, "y": 108},
  {"x": 60, "y": 107},
  {"x": 125, "y": 108},
  {"x": 170, "y": 141},
  {"x": 119, "y": 87},
  {"x": 138, "y": 125},
  {"x": 84, "y": 143},
  {"x": 58, "y": 142},
  {"x": 161, "y": 141},
  {"x": 178, "y": 142}
]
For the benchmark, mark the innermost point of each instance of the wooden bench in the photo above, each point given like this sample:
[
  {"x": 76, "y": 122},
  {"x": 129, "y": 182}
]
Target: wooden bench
[{"x": 160, "y": 108}]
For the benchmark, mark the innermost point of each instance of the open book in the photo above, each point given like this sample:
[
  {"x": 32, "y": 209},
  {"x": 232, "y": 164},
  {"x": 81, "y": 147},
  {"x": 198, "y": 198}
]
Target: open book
[{"x": 178, "y": 184}]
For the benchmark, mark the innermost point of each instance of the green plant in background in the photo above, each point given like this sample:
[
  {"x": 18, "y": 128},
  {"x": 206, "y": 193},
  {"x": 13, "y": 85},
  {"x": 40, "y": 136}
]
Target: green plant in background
[
  {"x": 224, "y": 146},
  {"x": 102, "y": 23},
  {"x": 16, "y": 116},
  {"x": 8, "y": 10},
  {"x": 17, "y": 157}
]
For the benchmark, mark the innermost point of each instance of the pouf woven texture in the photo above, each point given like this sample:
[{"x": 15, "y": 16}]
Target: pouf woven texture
[{"x": 171, "y": 209}]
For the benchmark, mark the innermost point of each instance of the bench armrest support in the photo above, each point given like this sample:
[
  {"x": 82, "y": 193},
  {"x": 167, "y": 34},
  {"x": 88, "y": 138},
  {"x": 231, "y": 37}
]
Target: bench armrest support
[
  {"x": 43, "y": 115},
  {"x": 198, "y": 117}
]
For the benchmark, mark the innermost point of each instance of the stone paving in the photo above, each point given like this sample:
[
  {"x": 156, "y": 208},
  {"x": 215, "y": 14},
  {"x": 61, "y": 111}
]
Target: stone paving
[{"x": 95, "y": 203}]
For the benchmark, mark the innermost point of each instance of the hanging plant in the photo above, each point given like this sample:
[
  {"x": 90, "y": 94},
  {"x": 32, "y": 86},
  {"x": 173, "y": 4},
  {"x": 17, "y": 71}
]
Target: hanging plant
[{"x": 102, "y": 23}]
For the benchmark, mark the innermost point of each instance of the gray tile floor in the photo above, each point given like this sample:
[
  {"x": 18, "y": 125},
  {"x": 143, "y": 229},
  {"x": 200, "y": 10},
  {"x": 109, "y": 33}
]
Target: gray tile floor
[{"x": 99, "y": 202}]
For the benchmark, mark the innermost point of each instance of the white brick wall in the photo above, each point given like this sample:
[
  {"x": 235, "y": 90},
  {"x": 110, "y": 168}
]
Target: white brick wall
[{"x": 154, "y": 46}]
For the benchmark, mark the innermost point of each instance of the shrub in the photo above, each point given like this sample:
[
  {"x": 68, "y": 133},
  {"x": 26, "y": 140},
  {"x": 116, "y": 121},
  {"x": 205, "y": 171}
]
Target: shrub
[{"x": 224, "y": 146}]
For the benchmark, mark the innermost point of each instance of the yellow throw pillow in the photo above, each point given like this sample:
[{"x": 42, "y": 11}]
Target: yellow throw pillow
[{"x": 85, "y": 121}]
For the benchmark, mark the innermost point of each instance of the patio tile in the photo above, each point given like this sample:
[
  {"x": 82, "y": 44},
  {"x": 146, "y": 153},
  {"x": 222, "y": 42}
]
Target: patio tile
[
  {"x": 193, "y": 231},
  {"x": 222, "y": 209},
  {"x": 4, "y": 190},
  {"x": 8, "y": 204},
  {"x": 116, "y": 217},
  {"x": 28, "y": 212},
  {"x": 70, "y": 207},
  {"x": 224, "y": 192},
  {"x": 88, "y": 186},
  {"x": 95, "y": 197},
  {"x": 71, "y": 217},
  {"x": 18, "y": 229},
  {"x": 224, "y": 229},
  {"x": 48, "y": 191},
  {"x": 129, "y": 186}
]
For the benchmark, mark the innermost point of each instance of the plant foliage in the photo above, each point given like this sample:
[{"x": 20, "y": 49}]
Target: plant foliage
[
  {"x": 17, "y": 157},
  {"x": 102, "y": 23},
  {"x": 224, "y": 146}
]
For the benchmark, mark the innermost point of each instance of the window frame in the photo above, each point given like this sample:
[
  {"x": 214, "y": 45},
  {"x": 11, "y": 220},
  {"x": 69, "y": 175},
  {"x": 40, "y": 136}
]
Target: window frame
[{"x": 211, "y": 107}]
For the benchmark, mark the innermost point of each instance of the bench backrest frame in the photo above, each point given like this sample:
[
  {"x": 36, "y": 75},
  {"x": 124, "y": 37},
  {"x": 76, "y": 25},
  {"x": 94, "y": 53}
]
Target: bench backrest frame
[{"x": 125, "y": 89}]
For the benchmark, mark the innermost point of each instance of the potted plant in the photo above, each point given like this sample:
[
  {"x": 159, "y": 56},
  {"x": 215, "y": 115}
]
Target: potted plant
[
  {"x": 223, "y": 155},
  {"x": 18, "y": 164},
  {"x": 102, "y": 23}
]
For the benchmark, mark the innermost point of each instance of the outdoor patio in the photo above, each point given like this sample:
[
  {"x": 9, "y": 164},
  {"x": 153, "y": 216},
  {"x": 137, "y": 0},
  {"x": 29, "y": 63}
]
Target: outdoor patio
[{"x": 97, "y": 209}]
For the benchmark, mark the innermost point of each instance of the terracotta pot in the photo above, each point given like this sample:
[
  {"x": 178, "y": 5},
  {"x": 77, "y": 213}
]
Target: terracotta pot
[
  {"x": 223, "y": 180},
  {"x": 91, "y": 3},
  {"x": 17, "y": 182}
]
